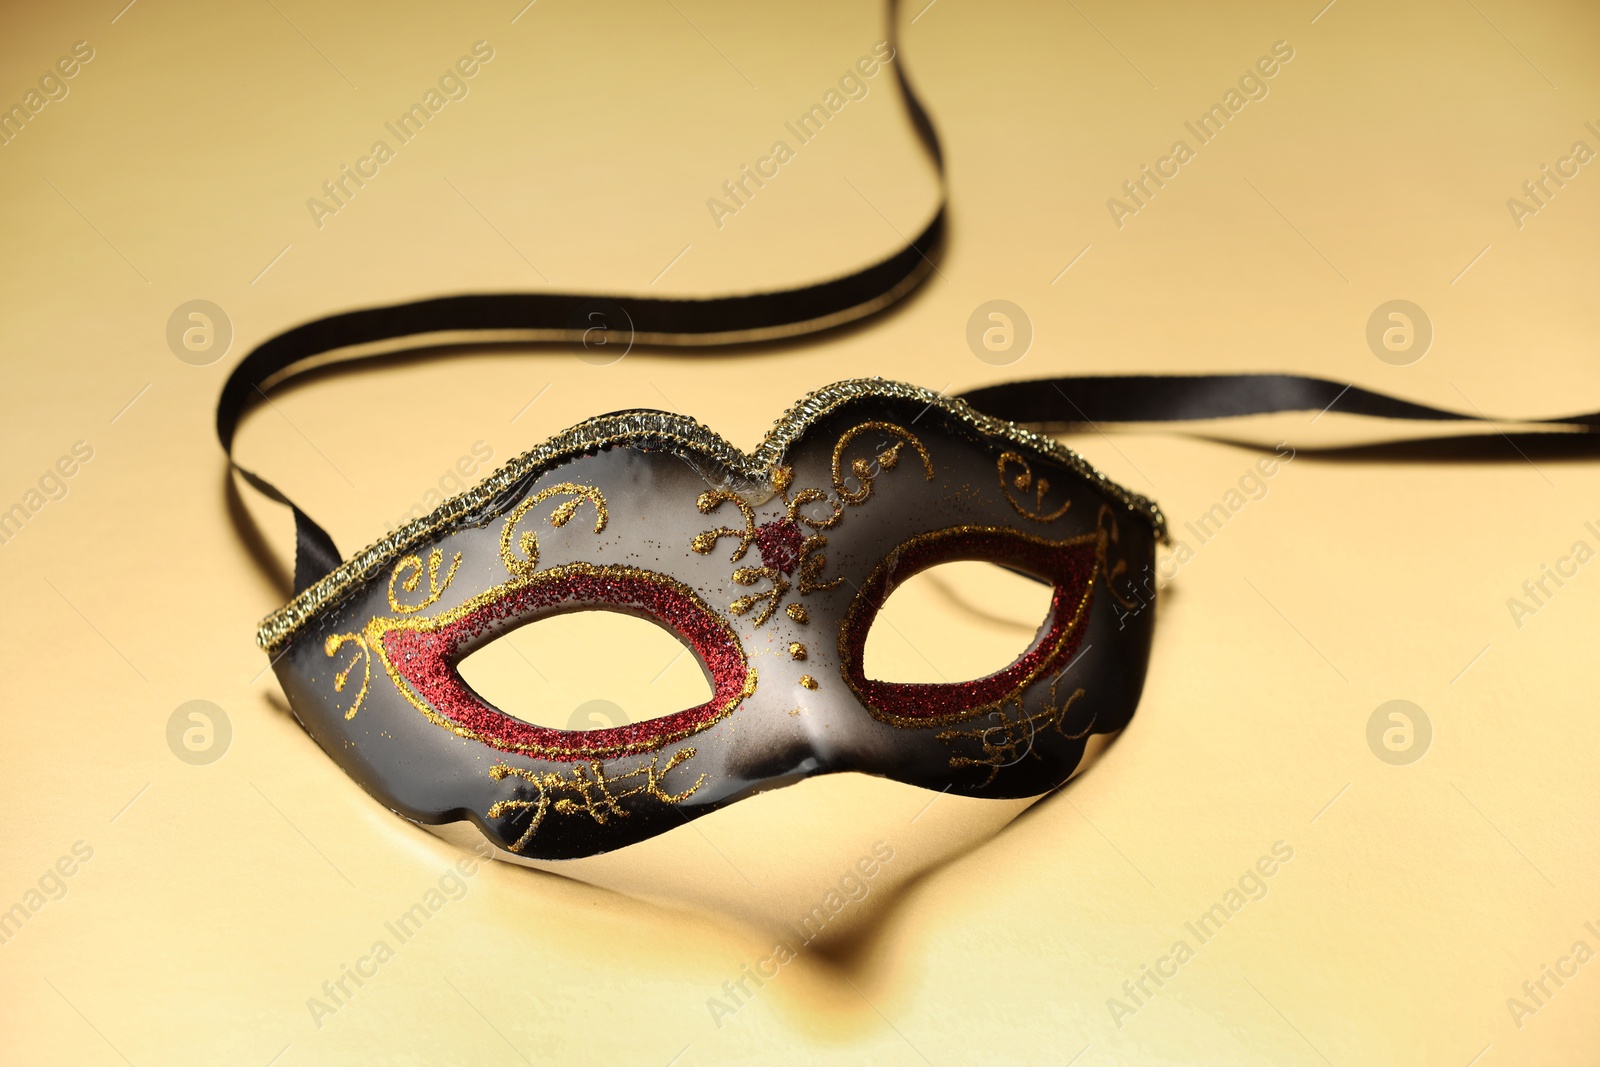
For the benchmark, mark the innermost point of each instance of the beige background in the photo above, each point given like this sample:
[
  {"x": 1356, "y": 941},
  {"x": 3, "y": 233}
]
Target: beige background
[{"x": 219, "y": 898}]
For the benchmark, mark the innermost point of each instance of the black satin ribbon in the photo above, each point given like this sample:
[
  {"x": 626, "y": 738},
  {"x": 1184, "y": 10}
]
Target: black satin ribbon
[
  {"x": 1055, "y": 402},
  {"x": 1128, "y": 398},
  {"x": 651, "y": 321},
  {"x": 1092, "y": 402}
]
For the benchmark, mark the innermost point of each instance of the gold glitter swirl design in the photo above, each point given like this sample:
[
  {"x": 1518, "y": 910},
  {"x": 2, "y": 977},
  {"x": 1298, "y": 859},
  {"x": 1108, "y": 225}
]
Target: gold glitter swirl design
[
  {"x": 810, "y": 562},
  {"x": 411, "y": 567},
  {"x": 679, "y": 435},
  {"x": 528, "y": 542},
  {"x": 1106, "y": 527},
  {"x": 809, "y": 496},
  {"x": 363, "y": 656},
  {"x": 766, "y": 602},
  {"x": 886, "y": 460},
  {"x": 1011, "y": 738},
  {"x": 1024, "y": 481},
  {"x": 708, "y": 502},
  {"x": 379, "y": 625},
  {"x": 586, "y": 790}
]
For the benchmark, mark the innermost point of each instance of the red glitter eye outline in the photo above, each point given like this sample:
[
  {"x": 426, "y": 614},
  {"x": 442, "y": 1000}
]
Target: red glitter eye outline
[
  {"x": 1072, "y": 566},
  {"x": 420, "y": 656}
]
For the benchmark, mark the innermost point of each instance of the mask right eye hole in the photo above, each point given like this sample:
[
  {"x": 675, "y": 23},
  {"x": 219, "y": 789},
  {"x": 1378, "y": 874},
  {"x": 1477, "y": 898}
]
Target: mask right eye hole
[
  {"x": 955, "y": 622},
  {"x": 546, "y": 673},
  {"x": 1070, "y": 566}
]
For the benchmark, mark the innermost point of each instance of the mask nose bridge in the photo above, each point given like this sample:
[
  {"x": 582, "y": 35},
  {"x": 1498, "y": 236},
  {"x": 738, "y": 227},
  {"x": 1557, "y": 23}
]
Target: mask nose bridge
[
  {"x": 826, "y": 725},
  {"x": 829, "y": 718},
  {"x": 808, "y": 720}
]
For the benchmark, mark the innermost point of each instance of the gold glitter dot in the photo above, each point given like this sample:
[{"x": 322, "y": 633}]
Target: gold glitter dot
[
  {"x": 797, "y": 612},
  {"x": 807, "y": 681},
  {"x": 797, "y": 650}
]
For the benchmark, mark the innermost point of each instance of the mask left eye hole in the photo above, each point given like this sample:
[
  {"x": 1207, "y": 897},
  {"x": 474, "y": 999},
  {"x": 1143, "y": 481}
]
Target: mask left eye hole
[
  {"x": 422, "y": 656},
  {"x": 546, "y": 673}
]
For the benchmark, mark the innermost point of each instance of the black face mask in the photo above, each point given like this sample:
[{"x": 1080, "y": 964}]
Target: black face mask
[{"x": 770, "y": 567}]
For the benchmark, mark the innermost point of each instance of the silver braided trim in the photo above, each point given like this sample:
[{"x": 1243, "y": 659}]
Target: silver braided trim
[{"x": 664, "y": 431}]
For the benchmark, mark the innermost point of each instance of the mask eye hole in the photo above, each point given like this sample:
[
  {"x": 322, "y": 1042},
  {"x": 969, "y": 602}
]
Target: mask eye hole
[
  {"x": 422, "y": 655},
  {"x": 955, "y": 622},
  {"x": 1069, "y": 566},
  {"x": 545, "y": 673}
]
